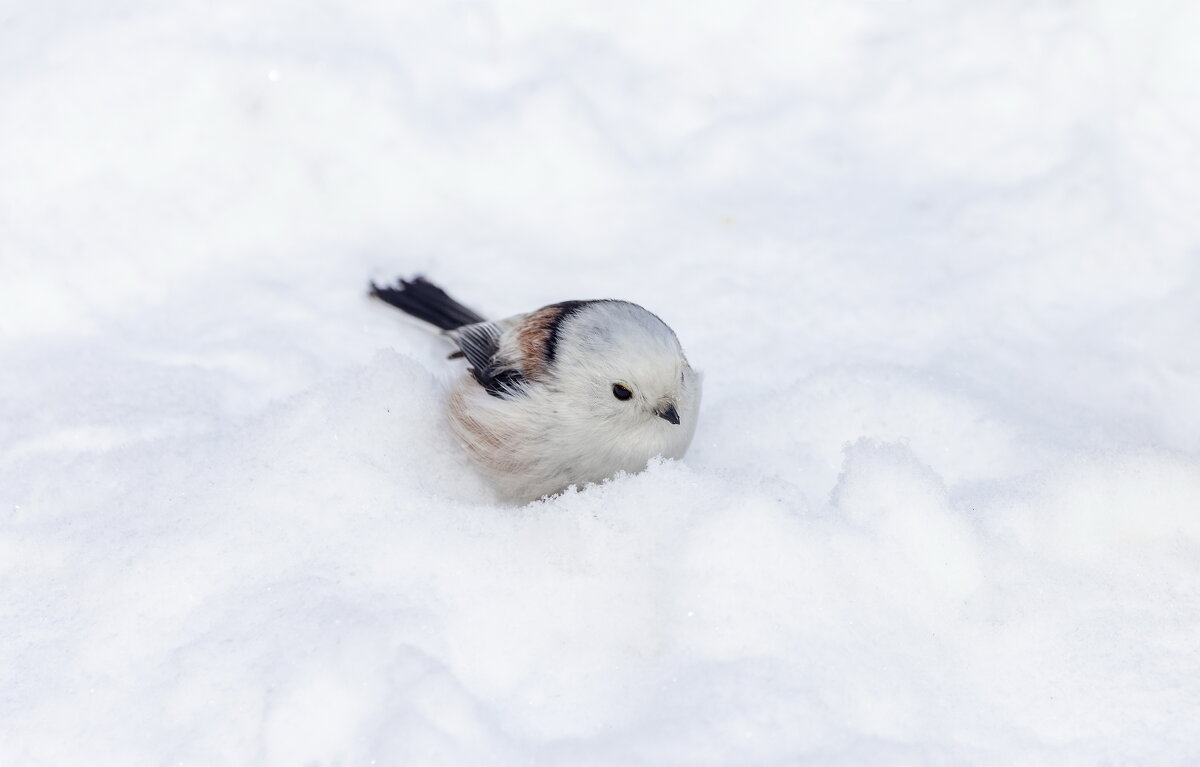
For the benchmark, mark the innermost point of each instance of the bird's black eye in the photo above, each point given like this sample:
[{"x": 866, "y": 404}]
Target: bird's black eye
[{"x": 621, "y": 391}]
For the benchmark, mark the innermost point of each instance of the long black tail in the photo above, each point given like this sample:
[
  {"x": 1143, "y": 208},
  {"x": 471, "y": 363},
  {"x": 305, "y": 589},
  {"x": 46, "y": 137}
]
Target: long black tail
[{"x": 426, "y": 301}]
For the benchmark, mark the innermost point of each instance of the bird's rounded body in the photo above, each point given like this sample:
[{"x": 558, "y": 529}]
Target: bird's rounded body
[{"x": 570, "y": 394}]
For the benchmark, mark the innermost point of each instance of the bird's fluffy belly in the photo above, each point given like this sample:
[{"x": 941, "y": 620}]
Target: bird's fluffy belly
[{"x": 529, "y": 450}]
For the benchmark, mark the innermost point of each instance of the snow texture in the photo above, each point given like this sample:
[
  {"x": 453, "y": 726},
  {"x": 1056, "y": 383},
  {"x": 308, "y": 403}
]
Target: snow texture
[{"x": 938, "y": 262}]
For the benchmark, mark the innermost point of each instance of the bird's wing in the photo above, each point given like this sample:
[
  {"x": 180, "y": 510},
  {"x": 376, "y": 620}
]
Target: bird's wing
[{"x": 480, "y": 343}]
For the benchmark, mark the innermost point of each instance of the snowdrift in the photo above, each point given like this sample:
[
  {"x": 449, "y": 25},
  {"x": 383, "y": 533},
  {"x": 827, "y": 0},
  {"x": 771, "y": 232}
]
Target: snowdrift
[{"x": 939, "y": 268}]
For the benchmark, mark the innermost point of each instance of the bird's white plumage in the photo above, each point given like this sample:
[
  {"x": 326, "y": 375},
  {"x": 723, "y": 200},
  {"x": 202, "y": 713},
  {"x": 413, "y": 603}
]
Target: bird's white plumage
[{"x": 565, "y": 426}]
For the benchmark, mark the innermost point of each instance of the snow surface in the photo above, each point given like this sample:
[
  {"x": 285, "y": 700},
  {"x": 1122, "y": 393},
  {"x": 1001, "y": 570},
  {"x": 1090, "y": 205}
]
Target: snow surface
[{"x": 938, "y": 261}]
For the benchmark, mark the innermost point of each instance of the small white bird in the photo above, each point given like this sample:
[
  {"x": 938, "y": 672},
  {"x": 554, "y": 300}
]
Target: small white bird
[{"x": 569, "y": 394}]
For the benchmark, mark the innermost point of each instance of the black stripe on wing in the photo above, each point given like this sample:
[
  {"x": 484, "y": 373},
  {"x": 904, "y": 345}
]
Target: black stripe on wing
[{"x": 480, "y": 343}]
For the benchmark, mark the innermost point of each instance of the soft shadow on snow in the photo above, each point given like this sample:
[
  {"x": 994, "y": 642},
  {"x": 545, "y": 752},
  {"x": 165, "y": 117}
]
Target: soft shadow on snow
[{"x": 330, "y": 581}]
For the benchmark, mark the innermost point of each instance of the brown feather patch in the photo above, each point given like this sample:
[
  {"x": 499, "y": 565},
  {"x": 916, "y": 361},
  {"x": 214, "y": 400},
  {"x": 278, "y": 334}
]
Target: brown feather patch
[{"x": 533, "y": 339}]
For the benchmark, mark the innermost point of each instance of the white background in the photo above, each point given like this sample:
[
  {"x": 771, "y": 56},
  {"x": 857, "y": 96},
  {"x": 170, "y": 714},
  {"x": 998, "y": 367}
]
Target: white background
[{"x": 938, "y": 262}]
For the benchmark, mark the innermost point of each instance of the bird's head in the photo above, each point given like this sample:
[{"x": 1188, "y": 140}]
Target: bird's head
[{"x": 623, "y": 373}]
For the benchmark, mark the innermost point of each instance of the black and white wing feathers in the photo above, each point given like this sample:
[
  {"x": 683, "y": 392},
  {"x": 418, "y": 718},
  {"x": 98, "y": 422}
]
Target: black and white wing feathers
[
  {"x": 480, "y": 344},
  {"x": 478, "y": 340}
]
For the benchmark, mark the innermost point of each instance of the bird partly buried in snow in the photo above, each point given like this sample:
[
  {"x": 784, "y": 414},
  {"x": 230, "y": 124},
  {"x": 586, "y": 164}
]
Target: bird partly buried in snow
[{"x": 571, "y": 393}]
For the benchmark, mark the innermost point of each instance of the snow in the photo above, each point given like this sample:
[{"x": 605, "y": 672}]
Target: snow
[{"x": 938, "y": 263}]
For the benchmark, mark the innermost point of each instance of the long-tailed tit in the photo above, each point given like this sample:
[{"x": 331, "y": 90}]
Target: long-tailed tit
[{"x": 568, "y": 394}]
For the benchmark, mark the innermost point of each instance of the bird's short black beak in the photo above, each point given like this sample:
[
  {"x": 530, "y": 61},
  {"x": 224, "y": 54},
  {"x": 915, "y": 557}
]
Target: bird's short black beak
[{"x": 669, "y": 413}]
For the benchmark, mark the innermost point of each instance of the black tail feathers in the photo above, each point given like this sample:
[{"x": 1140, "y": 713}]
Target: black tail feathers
[{"x": 426, "y": 301}]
